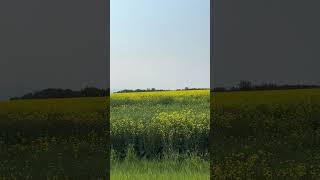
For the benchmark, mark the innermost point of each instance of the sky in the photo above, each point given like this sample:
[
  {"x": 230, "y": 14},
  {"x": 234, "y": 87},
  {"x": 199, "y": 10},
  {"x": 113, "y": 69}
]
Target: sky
[
  {"x": 160, "y": 44},
  {"x": 266, "y": 41},
  {"x": 52, "y": 44}
]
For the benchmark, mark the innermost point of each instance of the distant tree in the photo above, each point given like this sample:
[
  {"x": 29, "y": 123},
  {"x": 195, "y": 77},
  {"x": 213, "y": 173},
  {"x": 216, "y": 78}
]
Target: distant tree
[
  {"x": 245, "y": 85},
  {"x": 219, "y": 89},
  {"x": 93, "y": 92},
  {"x": 27, "y": 96},
  {"x": 65, "y": 93}
]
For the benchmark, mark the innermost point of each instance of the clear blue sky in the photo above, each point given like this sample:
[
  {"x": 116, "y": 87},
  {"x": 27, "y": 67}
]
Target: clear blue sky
[{"x": 160, "y": 44}]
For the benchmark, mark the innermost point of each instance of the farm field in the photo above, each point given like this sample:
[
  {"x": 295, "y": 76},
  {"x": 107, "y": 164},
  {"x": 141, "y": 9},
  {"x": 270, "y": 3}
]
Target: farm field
[
  {"x": 255, "y": 135},
  {"x": 266, "y": 135},
  {"x": 160, "y": 135},
  {"x": 53, "y": 139}
]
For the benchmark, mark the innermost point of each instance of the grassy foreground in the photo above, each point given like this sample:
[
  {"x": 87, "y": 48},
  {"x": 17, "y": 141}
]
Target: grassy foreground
[
  {"x": 148, "y": 170},
  {"x": 172, "y": 167}
]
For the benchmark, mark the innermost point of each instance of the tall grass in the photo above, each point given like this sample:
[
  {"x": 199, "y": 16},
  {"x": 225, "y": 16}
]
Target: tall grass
[{"x": 172, "y": 166}]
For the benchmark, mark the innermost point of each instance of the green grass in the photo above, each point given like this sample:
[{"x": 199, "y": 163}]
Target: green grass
[
  {"x": 172, "y": 166},
  {"x": 146, "y": 170}
]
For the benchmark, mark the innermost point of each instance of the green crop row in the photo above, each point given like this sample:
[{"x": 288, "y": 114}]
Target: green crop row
[{"x": 184, "y": 131}]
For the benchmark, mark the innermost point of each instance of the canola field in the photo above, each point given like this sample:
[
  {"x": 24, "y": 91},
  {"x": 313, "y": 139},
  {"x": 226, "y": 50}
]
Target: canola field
[
  {"x": 153, "y": 135},
  {"x": 54, "y": 139},
  {"x": 266, "y": 134},
  {"x": 164, "y": 135},
  {"x": 160, "y": 135},
  {"x": 157, "y": 123}
]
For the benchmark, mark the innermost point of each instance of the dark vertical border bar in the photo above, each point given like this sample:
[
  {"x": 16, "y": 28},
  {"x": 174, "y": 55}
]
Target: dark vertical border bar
[
  {"x": 108, "y": 85},
  {"x": 253, "y": 47},
  {"x": 52, "y": 49},
  {"x": 211, "y": 42},
  {"x": 212, "y": 45}
]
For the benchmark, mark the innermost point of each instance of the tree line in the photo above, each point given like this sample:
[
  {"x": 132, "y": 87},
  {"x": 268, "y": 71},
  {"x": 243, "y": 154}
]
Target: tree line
[
  {"x": 65, "y": 93},
  {"x": 154, "y": 90},
  {"x": 249, "y": 86}
]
